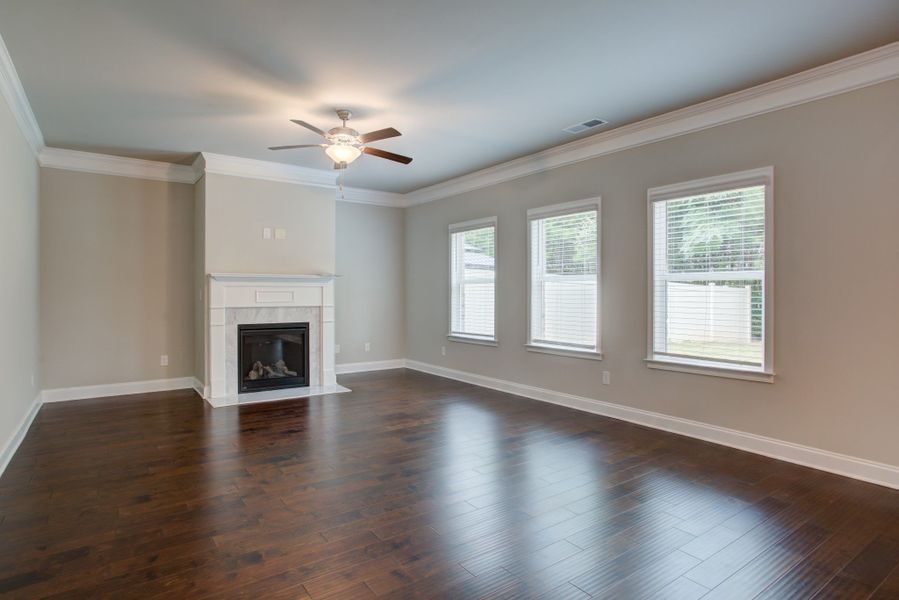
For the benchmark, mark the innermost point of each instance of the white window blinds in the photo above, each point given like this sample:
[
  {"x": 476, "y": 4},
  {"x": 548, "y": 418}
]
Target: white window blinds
[
  {"x": 473, "y": 280},
  {"x": 564, "y": 277},
  {"x": 709, "y": 276}
]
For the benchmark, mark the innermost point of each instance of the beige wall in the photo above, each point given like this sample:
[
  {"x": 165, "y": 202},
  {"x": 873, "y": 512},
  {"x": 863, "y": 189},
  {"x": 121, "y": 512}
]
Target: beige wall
[
  {"x": 116, "y": 279},
  {"x": 369, "y": 294},
  {"x": 238, "y": 208},
  {"x": 19, "y": 359},
  {"x": 124, "y": 263},
  {"x": 836, "y": 276}
]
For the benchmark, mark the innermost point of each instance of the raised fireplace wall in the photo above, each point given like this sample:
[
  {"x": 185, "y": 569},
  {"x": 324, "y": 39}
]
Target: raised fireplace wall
[{"x": 232, "y": 213}]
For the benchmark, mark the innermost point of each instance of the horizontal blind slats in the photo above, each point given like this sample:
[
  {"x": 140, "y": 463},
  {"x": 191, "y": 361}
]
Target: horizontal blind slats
[
  {"x": 708, "y": 276},
  {"x": 473, "y": 282},
  {"x": 564, "y": 271}
]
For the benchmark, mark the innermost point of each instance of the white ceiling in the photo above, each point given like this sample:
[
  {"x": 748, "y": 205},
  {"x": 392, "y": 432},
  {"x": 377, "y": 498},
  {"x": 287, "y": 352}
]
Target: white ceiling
[{"x": 469, "y": 83}]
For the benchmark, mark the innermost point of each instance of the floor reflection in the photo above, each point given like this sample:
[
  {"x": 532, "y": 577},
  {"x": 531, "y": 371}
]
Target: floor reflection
[{"x": 417, "y": 486}]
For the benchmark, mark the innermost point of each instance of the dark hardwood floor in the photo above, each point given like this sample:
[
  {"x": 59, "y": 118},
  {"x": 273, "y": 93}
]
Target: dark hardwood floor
[{"x": 414, "y": 486}]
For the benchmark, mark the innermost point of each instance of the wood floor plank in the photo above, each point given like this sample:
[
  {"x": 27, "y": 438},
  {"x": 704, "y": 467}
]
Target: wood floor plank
[
  {"x": 874, "y": 562},
  {"x": 607, "y": 574},
  {"x": 679, "y": 589},
  {"x": 842, "y": 587},
  {"x": 768, "y": 567},
  {"x": 889, "y": 588},
  {"x": 733, "y": 557},
  {"x": 413, "y": 486},
  {"x": 853, "y": 532},
  {"x": 649, "y": 579}
]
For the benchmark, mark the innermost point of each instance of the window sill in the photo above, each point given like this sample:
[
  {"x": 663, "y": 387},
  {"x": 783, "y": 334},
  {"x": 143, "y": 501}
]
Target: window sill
[
  {"x": 712, "y": 369},
  {"x": 587, "y": 354},
  {"x": 472, "y": 340}
]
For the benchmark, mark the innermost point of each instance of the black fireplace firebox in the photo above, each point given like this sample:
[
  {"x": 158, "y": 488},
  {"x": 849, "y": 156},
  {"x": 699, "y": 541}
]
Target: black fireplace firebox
[{"x": 271, "y": 357}]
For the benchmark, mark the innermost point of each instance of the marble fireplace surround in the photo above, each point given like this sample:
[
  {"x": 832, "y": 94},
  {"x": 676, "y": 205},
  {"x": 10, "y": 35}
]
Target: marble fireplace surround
[{"x": 237, "y": 299}]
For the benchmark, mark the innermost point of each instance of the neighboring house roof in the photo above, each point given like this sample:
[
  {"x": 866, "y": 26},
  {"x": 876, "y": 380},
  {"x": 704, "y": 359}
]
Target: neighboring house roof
[{"x": 476, "y": 259}]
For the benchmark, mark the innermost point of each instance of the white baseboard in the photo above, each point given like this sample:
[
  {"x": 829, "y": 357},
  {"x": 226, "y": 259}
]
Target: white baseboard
[
  {"x": 377, "y": 365},
  {"x": 117, "y": 389},
  {"x": 12, "y": 444},
  {"x": 199, "y": 388},
  {"x": 841, "y": 464}
]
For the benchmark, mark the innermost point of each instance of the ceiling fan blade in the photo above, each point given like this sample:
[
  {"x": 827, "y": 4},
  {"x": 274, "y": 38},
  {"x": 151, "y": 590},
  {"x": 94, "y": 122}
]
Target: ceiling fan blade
[
  {"x": 292, "y": 147},
  {"x": 381, "y": 134},
  {"x": 388, "y": 155},
  {"x": 312, "y": 128}
]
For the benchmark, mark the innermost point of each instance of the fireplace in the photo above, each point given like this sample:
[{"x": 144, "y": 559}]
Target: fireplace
[
  {"x": 272, "y": 356},
  {"x": 255, "y": 301}
]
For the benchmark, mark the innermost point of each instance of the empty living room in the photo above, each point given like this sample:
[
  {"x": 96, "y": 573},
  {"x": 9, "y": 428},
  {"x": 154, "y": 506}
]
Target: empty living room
[{"x": 505, "y": 299}]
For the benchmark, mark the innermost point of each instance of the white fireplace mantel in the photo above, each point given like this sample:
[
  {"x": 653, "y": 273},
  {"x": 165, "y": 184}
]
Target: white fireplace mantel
[
  {"x": 239, "y": 298},
  {"x": 320, "y": 279}
]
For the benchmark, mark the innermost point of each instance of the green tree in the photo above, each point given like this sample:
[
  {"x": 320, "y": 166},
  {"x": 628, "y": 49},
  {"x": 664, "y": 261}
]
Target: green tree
[{"x": 571, "y": 244}]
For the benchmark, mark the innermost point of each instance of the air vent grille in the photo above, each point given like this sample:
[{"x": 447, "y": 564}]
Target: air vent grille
[{"x": 579, "y": 127}]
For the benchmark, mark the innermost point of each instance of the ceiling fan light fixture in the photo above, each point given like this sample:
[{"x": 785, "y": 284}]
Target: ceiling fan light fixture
[
  {"x": 344, "y": 144},
  {"x": 343, "y": 153}
]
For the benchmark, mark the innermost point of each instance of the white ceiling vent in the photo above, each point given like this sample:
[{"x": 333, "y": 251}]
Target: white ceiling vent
[{"x": 579, "y": 127}]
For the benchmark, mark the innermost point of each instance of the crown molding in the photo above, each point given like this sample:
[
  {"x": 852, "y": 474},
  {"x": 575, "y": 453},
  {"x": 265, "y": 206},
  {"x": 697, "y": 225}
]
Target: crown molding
[
  {"x": 222, "y": 164},
  {"x": 373, "y": 197},
  {"x": 854, "y": 72},
  {"x": 105, "y": 164},
  {"x": 12, "y": 91}
]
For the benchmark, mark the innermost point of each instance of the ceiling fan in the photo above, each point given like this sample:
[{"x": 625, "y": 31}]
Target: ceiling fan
[{"x": 344, "y": 144}]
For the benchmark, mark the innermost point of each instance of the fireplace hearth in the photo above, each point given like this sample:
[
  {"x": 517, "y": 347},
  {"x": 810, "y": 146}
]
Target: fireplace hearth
[{"x": 272, "y": 356}]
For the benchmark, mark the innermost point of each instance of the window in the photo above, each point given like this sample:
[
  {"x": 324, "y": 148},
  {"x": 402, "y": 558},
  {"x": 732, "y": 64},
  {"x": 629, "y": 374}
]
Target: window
[
  {"x": 563, "y": 282},
  {"x": 473, "y": 281},
  {"x": 710, "y": 290}
]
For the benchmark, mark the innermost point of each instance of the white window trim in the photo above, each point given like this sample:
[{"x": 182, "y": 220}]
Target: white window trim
[
  {"x": 547, "y": 349},
  {"x": 556, "y": 210},
  {"x": 477, "y": 341},
  {"x": 763, "y": 176},
  {"x": 458, "y": 228}
]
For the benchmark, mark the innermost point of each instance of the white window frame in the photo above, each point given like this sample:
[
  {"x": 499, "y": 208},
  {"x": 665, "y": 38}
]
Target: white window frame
[
  {"x": 459, "y": 228},
  {"x": 556, "y": 210},
  {"x": 765, "y": 373}
]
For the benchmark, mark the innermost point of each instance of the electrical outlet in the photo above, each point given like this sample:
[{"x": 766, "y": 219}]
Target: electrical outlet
[
  {"x": 336, "y": 348},
  {"x": 280, "y": 234},
  {"x": 266, "y": 233},
  {"x": 164, "y": 360},
  {"x": 443, "y": 350},
  {"x": 32, "y": 379},
  {"x": 367, "y": 346},
  {"x": 606, "y": 378}
]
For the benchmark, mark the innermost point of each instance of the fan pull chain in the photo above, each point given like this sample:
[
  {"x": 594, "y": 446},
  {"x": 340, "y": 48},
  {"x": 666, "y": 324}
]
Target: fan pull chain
[{"x": 340, "y": 186}]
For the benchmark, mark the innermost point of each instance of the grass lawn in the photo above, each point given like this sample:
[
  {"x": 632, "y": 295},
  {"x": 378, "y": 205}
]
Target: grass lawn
[{"x": 751, "y": 352}]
